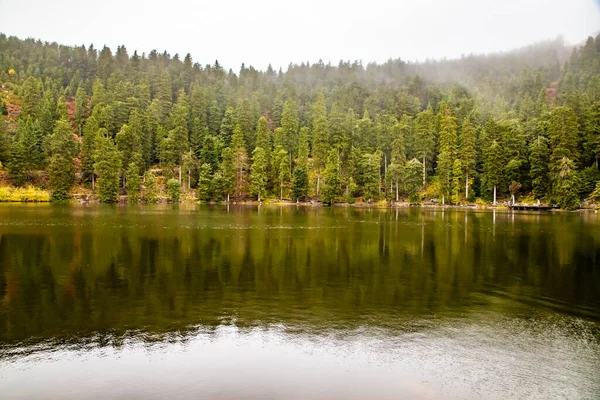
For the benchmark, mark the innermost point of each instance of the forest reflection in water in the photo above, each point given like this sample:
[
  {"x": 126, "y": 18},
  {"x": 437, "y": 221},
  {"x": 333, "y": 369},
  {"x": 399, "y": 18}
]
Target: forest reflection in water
[{"x": 427, "y": 292}]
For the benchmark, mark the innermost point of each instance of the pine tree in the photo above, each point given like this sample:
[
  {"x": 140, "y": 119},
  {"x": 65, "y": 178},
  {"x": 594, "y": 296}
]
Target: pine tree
[
  {"x": 190, "y": 169},
  {"x": 425, "y": 138},
  {"x": 365, "y": 138},
  {"x": 468, "y": 151},
  {"x": 239, "y": 158},
  {"x": 31, "y": 98},
  {"x": 258, "y": 173},
  {"x": 332, "y": 177},
  {"x": 290, "y": 124},
  {"x": 320, "y": 136},
  {"x": 300, "y": 183},
  {"x": 283, "y": 171},
  {"x": 204, "y": 182},
  {"x": 226, "y": 178},
  {"x": 564, "y": 137},
  {"x": 263, "y": 137},
  {"x": 398, "y": 160},
  {"x": 370, "y": 166},
  {"x": 150, "y": 191},
  {"x": 494, "y": 161},
  {"x": 90, "y": 138},
  {"x": 413, "y": 178},
  {"x": 128, "y": 144},
  {"x": 4, "y": 144},
  {"x": 47, "y": 117},
  {"x": 457, "y": 171},
  {"x": 300, "y": 175},
  {"x": 227, "y": 125},
  {"x": 107, "y": 167},
  {"x": 17, "y": 166},
  {"x": 243, "y": 117},
  {"x": 447, "y": 154},
  {"x": 538, "y": 160},
  {"x": 338, "y": 134},
  {"x": 567, "y": 182},
  {"x": 133, "y": 181},
  {"x": 62, "y": 149},
  {"x": 174, "y": 190},
  {"x": 303, "y": 148},
  {"x": 81, "y": 111}
]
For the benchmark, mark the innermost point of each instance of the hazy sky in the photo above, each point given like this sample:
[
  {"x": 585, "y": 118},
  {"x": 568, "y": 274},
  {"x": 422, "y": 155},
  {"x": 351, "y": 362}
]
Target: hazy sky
[{"x": 259, "y": 32}]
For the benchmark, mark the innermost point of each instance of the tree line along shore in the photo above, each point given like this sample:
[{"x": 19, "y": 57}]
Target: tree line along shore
[{"x": 78, "y": 122}]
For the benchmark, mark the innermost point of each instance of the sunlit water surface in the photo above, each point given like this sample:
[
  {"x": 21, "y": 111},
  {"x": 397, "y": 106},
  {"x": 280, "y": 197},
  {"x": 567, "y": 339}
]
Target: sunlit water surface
[{"x": 217, "y": 302}]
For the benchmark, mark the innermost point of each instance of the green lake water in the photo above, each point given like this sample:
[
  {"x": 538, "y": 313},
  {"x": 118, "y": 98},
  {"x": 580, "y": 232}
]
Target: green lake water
[{"x": 297, "y": 302}]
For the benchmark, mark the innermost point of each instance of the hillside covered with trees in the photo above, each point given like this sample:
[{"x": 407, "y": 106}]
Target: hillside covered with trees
[{"x": 523, "y": 123}]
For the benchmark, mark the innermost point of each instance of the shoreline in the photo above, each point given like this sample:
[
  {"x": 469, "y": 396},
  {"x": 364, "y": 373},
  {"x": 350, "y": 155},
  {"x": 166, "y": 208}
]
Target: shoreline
[{"x": 31, "y": 194}]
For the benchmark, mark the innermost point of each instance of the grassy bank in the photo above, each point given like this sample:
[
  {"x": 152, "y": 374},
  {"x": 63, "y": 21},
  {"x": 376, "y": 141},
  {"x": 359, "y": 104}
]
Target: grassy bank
[{"x": 28, "y": 194}]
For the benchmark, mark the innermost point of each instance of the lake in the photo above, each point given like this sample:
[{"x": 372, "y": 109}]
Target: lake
[{"x": 297, "y": 302}]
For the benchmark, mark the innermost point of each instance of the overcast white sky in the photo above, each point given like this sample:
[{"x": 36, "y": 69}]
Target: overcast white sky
[{"x": 259, "y": 32}]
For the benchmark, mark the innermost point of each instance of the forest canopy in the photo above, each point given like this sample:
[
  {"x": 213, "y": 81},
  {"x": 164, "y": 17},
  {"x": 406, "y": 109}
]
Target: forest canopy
[{"x": 524, "y": 123}]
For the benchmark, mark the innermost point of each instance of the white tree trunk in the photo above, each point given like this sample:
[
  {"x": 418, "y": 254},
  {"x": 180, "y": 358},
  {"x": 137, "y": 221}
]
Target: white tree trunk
[
  {"x": 424, "y": 173},
  {"x": 494, "y": 194},
  {"x": 318, "y": 181},
  {"x": 467, "y": 187}
]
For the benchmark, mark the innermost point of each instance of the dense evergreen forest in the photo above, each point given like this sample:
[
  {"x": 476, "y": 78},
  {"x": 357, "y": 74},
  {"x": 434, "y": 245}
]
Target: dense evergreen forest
[{"x": 523, "y": 123}]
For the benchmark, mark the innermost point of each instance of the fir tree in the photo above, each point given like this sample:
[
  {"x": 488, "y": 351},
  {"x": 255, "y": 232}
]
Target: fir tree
[
  {"x": 90, "y": 138},
  {"x": 414, "y": 178},
  {"x": 107, "y": 166},
  {"x": 31, "y": 98},
  {"x": 226, "y": 179},
  {"x": 447, "y": 153},
  {"x": 81, "y": 111},
  {"x": 263, "y": 137},
  {"x": 239, "y": 158},
  {"x": 290, "y": 124},
  {"x": 457, "y": 171},
  {"x": 425, "y": 138},
  {"x": 398, "y": 160},
  {"x": 468, "y": 151},
  {"x": 258, "y": 173},
  {"x": 62, "y": 149},
  {"x": 133, "y": 181},
  {"x": 320, "y": 137},
  {"x": 331, "y": 176},
  {"x": 204, "y": 182},
  {"x": 566, "y": 186}
]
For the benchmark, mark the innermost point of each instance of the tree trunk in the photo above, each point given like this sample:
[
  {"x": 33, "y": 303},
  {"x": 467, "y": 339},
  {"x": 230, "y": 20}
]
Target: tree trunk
[
  {"x": 494, "y": 194},
  {"x": 385, "y": 171},
  {"x": 318, "y": 181},
  {"x": 396, "y": 191},
  {"x": 424, "y": 173},
  {"x": 227, "y": 198},
  {"x": 467, "y": 187},
  {"x": 180, "y": 175},
  {"x": 443, "y": 200},
  {"x": 93, "y": 182},
  {"x": 189, "y": 179}
]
